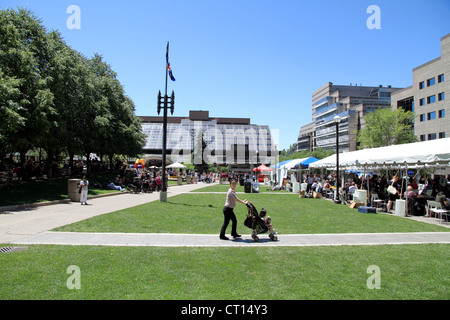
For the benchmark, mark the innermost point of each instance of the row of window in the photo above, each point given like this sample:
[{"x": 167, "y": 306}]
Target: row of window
[
  {"x": 432, "y": 99},
  {"x": 432, "y": 136},
  {"x": 431, "y": 81},
  {"x": 432, "y": 115}
]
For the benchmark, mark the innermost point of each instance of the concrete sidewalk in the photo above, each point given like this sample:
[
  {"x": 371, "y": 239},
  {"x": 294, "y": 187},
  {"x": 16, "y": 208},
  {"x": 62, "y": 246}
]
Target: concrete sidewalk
[
  {"x": 208, "y": 240},
  {"x": 18, "y": 224},
  {"x": 31, "y": 226}
]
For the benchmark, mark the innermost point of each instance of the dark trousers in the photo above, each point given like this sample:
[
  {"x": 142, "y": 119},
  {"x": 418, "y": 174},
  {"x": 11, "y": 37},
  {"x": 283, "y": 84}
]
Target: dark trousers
[{"x": 228, "y": 214}]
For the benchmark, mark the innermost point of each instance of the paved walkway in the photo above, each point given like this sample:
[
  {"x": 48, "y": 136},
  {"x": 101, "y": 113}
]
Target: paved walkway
[
  {"x": 18, "y": 224},
  {"x": 31, "y": 226},
  {"x": 207, "y": 240}
]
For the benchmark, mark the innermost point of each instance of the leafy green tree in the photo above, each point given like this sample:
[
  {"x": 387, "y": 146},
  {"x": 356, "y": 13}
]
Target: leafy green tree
[
  {"x": 54, "y": 98},
  {"x": 23, "y": 65},
  {"x": 116, "y": 126},
  {"x": 386, "y": 127},
  {"x": 12, "y": 120}
]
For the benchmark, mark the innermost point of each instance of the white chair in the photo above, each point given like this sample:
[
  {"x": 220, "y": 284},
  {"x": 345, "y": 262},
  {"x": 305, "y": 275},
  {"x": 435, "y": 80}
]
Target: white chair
[
  {"x": 430, "y": 206},
  {"x": 376, "y": 200},
  {"x": 436, "y": 208}
]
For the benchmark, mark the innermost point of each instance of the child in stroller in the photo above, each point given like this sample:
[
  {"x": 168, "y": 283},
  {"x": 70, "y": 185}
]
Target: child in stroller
[{"x": 259, "y": 223}]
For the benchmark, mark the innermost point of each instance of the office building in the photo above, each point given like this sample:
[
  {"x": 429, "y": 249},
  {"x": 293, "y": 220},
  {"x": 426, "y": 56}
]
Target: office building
[
  {"x": 199, "y": 137},
  {"x": 429, "y": 96},
  {"x": 351, "y": 103}
]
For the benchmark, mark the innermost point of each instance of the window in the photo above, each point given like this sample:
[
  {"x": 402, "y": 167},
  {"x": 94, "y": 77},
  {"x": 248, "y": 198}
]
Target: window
[
  {"x": 422, "y": 101},
  {"x": 441, "y": 135},
  {"x": 431, "y": 115},
  {"x": 422, "y": 117},
  {"x": 431, "y": 136},
  {"x": 441, "y": 96},
  {"x": 431, "y": 82},
  {"x": 440, "y": 78},
  {"x": 441, "y": 113},
  {"x": 422, "y": 137},
  {"x": 421, "y": 85},
  {"x": 431, "y": 99}
]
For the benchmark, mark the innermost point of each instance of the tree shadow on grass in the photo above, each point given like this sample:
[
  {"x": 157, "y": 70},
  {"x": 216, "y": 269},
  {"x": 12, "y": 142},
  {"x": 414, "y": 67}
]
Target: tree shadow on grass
[{"x": 193, "y": 205}]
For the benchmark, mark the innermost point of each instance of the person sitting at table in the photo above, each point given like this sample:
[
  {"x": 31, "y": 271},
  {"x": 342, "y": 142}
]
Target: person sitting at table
[
  {"x": 411, "y": 196},
  {"x": 326, "y": 187},
  {"x": 410, "y": 193},
  {"x": 414, "y": 184},
  {"x": 446, "y": 205},
  {"x": 441, "y": 198},
  {"x": 352, "y": 189}
]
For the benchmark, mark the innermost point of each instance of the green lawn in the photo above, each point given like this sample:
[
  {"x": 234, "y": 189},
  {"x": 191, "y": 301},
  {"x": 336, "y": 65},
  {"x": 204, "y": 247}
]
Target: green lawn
[
  {"x": 48, "y": 190},
  {"x": 406, "y": 271},
  {"x": 202, "y": 213},
  {"x": 51, "y": 190}
]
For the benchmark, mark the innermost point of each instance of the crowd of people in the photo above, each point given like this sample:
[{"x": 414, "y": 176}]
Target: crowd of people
[
  {"x": 389, "y": 189},
  {"x": 16, "y": 171}
]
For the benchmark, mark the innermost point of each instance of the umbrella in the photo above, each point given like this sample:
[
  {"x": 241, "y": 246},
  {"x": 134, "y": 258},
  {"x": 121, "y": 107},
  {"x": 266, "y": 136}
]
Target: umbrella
[
  {"x": 177, "y": 165},
  {"x": 262, "y": 168}
]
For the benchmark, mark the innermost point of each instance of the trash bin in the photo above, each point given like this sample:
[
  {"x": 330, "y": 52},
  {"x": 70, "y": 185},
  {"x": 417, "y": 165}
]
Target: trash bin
[
  {"x": 241, "y": 181},
  {"x": 73, "y": 190},
  {"x": 255, "y": 187},
  {"x": 247, "y": 187},
  {"x": 400, "y": 208},
  {"x": 295, "y": 187},
  {"x": 179, "y": 180}
]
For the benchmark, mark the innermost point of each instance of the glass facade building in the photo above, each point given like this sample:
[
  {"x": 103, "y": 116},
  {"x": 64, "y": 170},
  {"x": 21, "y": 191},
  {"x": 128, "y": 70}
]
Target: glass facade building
[
  {"x": 200, "y": 138},
  {"x": 351, "y": 104}
]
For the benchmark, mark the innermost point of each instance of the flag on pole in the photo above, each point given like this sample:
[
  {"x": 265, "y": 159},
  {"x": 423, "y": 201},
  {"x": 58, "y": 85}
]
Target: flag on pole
[{"x": 168, "y": 64}]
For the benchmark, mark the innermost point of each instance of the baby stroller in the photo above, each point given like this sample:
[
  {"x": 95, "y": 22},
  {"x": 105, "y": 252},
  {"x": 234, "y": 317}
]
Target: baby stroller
[{"x": 258, "y": 223}]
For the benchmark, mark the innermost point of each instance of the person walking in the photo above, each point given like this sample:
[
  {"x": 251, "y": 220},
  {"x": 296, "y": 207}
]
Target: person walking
[
  {"x": 394, "y": 192},
  {"x": 84, "y": 184},
  {"x": 228, "y": 212}
]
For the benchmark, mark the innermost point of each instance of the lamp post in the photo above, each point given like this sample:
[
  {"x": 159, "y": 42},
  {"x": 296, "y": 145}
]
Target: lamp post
[
  {"x": 337, "y": 120},
  {"x": 165, "y": 103}
]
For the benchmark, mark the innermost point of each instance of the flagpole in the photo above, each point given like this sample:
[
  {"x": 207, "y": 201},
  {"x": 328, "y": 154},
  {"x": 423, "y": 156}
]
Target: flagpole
[{"x": 163, "y": 194}]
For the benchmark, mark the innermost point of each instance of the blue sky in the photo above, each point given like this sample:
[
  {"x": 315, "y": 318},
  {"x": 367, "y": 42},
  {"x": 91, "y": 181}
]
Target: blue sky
[{"x": 253, "y": 59}]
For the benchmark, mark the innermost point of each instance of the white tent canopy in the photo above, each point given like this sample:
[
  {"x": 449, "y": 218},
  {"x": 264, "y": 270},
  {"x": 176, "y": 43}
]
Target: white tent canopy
[
  {"x": 288, "y": 165},
  {"x": 291, "y": 164},
  {"x": 431, "y": 152}
]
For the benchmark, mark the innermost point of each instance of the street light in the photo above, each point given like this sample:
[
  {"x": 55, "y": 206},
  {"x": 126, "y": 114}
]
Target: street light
[
  {"x": 165, "y": 103},
  {"x": 337, "y": 120}
]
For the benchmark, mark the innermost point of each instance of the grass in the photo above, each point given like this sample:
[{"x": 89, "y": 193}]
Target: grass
[
  {"x": 202, "y": 214},
  {"x": 406, "y": 272},
  {"x": 51, "y": 190},
  {"x": 48, "y": 190},
  {"x": 224, "y": 188},
  {"x": 413, "y": 272}
]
